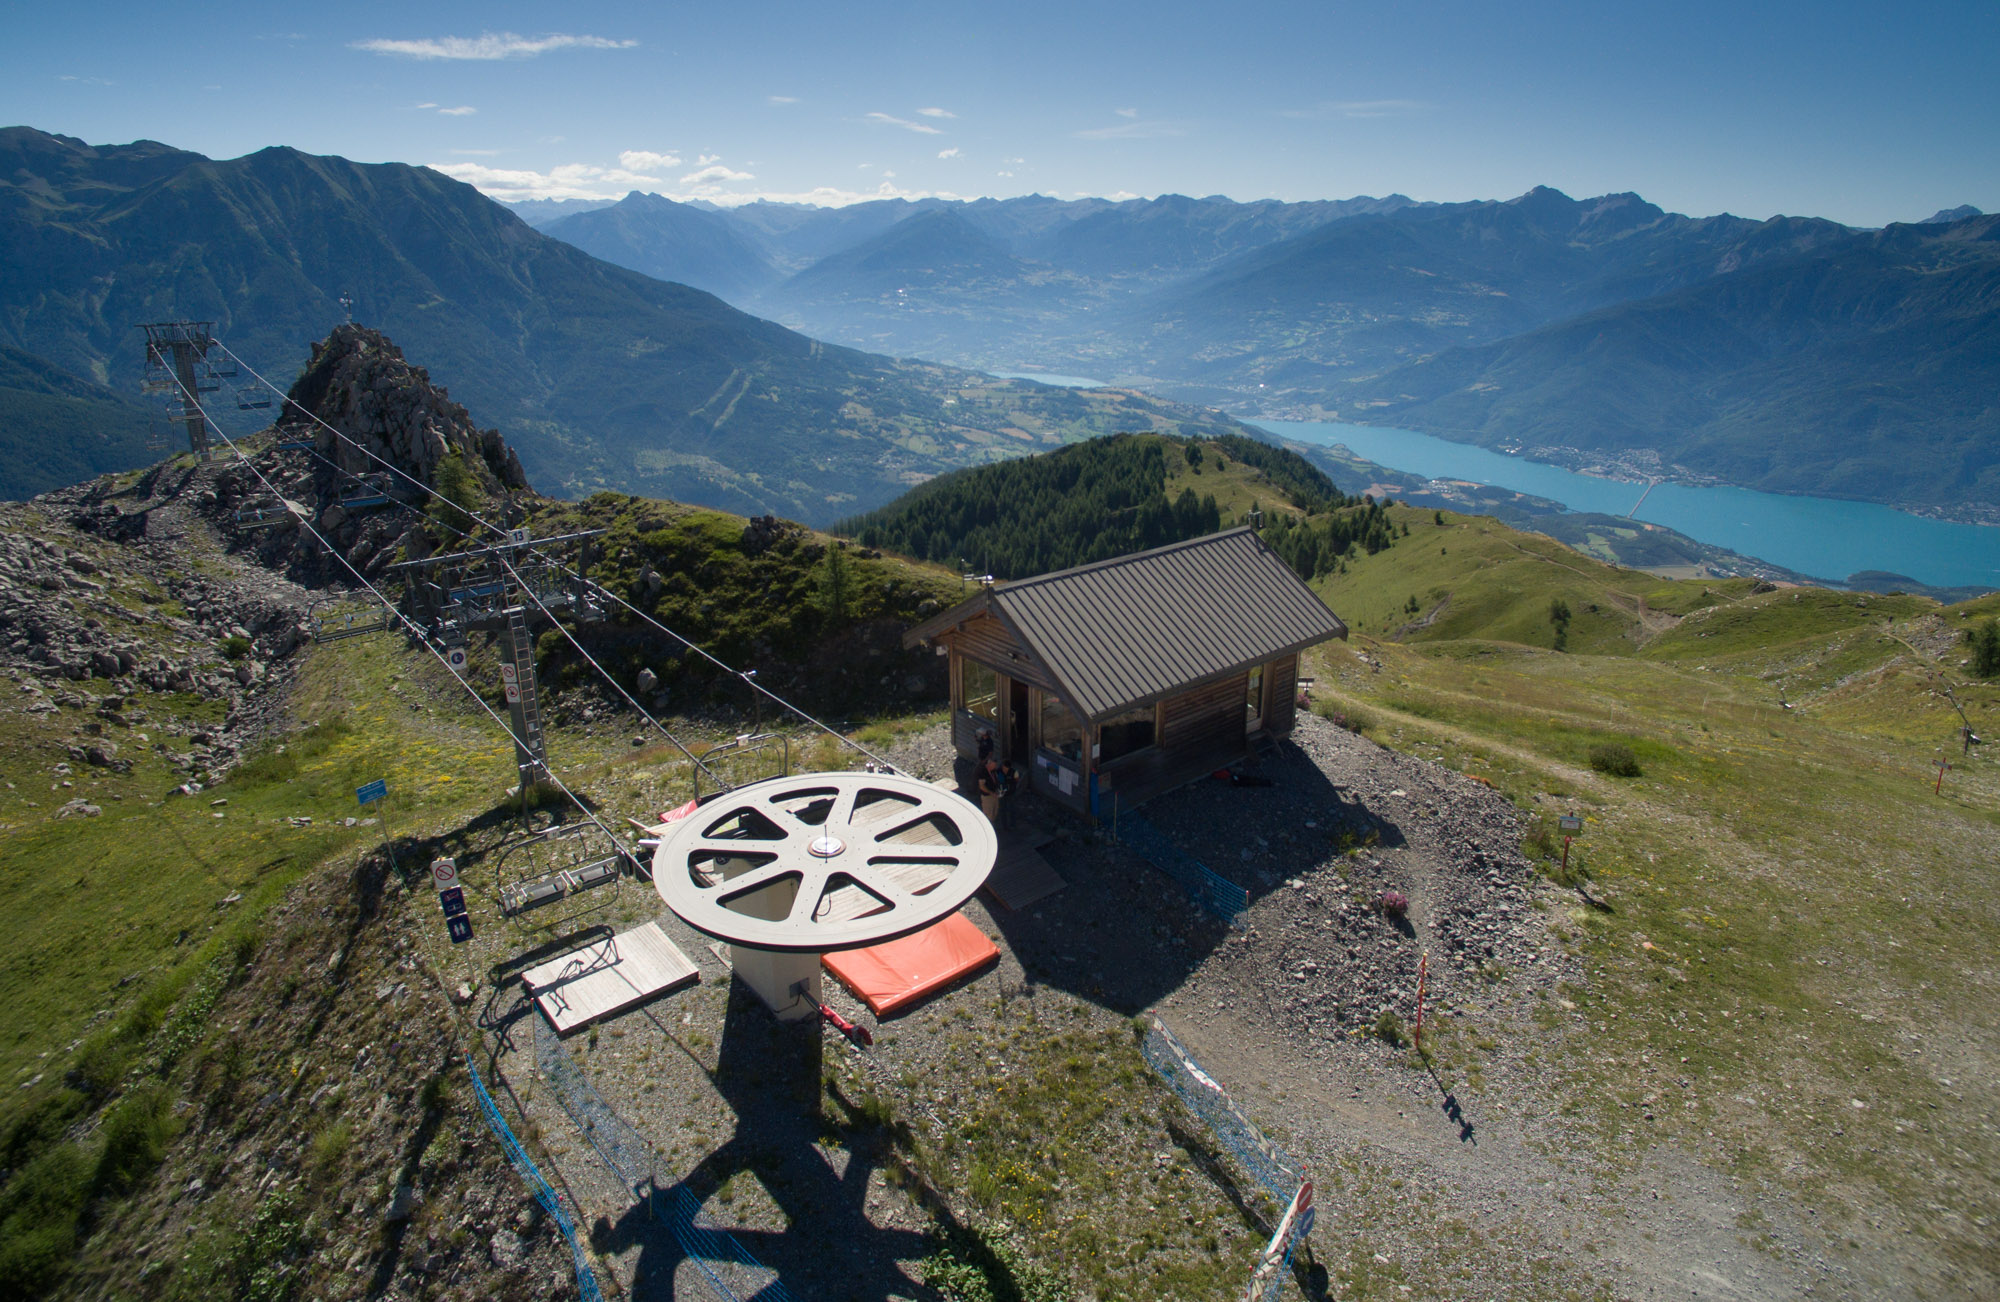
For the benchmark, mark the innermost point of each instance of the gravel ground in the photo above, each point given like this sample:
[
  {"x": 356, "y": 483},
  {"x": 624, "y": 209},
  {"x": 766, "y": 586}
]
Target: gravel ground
[{"x": 1455, "y": 1181}]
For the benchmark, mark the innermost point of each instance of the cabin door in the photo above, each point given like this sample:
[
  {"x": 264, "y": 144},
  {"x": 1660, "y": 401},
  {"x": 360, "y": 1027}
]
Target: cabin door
[
  {"x": 1253, "y": 703},
  {"x": 1017, "y": 722}
]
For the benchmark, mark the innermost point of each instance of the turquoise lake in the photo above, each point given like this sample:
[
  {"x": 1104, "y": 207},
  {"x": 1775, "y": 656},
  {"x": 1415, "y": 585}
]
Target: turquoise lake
[{"x": 1820, "y": 536}]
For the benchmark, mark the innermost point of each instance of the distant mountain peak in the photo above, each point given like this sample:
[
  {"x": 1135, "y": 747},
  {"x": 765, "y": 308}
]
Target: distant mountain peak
[{"x": 1961, "y": 213}]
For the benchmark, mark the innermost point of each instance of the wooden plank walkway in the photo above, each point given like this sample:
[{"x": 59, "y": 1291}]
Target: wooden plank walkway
[
  {"x": 1021, "y": 876},
  {"x": 608, "y": 976}
]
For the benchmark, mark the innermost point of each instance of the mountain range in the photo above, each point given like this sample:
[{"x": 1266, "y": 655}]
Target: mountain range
[
  {"x": 601, "y": 376},
  {"x": 1791, "y": 354}
]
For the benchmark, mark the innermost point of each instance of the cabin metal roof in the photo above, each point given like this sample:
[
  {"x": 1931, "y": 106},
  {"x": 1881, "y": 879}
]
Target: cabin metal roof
[{"x": 1128, "y": 631}]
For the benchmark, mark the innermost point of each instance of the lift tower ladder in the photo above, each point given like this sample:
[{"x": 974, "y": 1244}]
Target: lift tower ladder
[
  {"x": 503, "y": 589},
  {"x": 177, "y": 365}
]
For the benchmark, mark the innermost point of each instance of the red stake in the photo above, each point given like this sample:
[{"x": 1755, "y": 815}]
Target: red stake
[
  {"x": 1565, "y": 856},
  {"x": 1937, "y": 788}
]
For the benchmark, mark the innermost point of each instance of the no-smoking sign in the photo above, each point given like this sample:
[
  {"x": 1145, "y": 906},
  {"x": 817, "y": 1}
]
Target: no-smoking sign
[{"x": 444, "y": 874}]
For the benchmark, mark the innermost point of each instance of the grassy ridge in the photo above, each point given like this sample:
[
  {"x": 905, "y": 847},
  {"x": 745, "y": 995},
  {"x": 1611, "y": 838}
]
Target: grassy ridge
[{"x": 1790, "y": 942}]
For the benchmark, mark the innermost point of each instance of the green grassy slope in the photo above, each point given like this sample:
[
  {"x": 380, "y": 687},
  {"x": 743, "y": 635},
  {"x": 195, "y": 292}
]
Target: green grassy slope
[{"x": 1788, "y": 937}]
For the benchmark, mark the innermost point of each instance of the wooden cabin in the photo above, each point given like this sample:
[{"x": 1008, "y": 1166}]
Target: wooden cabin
[{"x": 1129, "y": 677}]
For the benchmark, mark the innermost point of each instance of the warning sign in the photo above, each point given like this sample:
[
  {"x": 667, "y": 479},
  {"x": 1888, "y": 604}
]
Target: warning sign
[
  {"x": 453, "y": 901},
  {"x": 513, "y": 691},
  {"x": 444, "y": 874},
  {"x": 1570, "y": 825},
  {"x": 460, "y": 928},
  {"x": 455, "y": 657}
]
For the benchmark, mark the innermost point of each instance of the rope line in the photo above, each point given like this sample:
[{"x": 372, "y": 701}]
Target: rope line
[
  {"x": 592, "y": 584},
  {"x": 415, "y": 630}
]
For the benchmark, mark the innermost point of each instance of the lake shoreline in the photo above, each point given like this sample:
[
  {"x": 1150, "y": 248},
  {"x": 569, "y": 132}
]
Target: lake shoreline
[
  {"x": 1836, "y": 539},
  {"x": 1588, "y": 462}
]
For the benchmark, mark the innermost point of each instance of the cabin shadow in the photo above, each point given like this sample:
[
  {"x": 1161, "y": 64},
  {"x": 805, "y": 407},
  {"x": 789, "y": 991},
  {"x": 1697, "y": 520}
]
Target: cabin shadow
[{"x": 1124, "y": 933}]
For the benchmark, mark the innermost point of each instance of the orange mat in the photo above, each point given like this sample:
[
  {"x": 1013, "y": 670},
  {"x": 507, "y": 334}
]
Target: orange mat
[{"x": 891, "y": 976}]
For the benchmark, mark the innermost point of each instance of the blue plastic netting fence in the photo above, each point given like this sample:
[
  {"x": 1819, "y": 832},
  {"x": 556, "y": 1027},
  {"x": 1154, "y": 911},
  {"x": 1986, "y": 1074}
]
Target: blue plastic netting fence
[
  {"x": 1261, "y": 1158},
  {"x": 732, "y": 1270},
  {"x": 1213, "y": 892},
  {"x": 545, "y": 1194}
]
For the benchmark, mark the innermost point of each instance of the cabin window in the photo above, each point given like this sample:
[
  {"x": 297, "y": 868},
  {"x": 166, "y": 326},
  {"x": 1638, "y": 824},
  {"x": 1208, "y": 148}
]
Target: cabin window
[
  {"x": 1253, "y": 705},
  {"x": 980, "y": 688},
  {"x": 1061, "y": 732},
  {"x": 1124, "y": 733}
]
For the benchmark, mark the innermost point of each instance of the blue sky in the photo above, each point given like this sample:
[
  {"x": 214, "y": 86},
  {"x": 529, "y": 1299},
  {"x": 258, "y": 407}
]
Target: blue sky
[{"x": 1862, "y": 113}]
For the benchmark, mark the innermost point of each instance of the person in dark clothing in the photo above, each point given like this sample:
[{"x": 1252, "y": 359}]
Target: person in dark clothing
[{"x": 991, "y": 784}]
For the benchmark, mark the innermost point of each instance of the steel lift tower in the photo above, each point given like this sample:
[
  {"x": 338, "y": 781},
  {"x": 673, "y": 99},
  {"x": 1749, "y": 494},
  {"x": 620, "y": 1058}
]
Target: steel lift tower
[
  {"x": 502, "y": 589},
  {"x": 177, "y": 365}
]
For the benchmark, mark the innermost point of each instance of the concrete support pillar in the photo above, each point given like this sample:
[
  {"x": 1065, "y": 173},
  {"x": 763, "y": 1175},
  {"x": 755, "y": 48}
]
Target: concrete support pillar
[{"x": 774, "y": 974}]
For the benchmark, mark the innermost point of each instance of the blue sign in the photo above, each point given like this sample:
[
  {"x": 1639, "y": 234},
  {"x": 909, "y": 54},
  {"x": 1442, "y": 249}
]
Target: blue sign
[
  {"x": 453, "y": 901},
  {"x": 460, "y": 928},
  {"x": 373, "y": 792}
]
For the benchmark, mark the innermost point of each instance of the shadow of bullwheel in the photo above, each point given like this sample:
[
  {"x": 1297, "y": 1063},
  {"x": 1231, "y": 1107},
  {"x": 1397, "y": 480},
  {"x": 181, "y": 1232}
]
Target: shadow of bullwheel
[{"x": 769, "y": 1073}]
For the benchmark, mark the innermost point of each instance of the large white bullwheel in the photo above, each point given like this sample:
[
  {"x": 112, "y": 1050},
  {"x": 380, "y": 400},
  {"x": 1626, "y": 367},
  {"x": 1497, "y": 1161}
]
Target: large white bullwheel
[{"x": 824, "y": 861}]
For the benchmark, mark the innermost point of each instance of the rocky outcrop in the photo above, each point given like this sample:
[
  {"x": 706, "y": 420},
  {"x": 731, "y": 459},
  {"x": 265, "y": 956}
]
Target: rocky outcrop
[{"x": 359, "y": 382}]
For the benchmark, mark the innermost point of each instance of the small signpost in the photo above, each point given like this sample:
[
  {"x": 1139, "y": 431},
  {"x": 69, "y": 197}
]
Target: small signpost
[
  {"x": 1571, "y": 825},
  {"x": 1943, "y": 767},
  {"x": 510, "y": 682},
  {"x": 376, "y": 793},
  {"x": 451, "y": 898},
  {"x": 456, "y": 658}
]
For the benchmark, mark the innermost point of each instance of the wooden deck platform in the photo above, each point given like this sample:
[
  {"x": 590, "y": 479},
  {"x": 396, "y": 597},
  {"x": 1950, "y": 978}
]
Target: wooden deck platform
[
  {"x": 1021, "y": 876},
  {"x": 608, "y": 976}
]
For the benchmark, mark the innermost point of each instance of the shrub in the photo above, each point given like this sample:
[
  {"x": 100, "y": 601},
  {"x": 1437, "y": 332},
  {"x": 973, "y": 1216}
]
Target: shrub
[
  {"x": 1395, "y": 904},
  {"x": 1985, "y": 642},
  {"x": 1614, "y": 758},
  {"x": 1389, "y": 1028},
  {"x": 235, "y": 648}
]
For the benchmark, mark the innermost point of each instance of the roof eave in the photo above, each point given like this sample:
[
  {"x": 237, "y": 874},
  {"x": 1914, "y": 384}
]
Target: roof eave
[{"x": 945, "y": 620}]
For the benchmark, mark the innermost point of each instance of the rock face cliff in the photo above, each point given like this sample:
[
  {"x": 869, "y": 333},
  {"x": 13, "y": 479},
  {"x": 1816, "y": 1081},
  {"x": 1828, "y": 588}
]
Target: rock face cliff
[{"x": 359, "y": 382}]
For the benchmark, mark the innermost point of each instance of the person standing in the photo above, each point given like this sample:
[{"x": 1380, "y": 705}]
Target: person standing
[{"x": 990, "y": 786}]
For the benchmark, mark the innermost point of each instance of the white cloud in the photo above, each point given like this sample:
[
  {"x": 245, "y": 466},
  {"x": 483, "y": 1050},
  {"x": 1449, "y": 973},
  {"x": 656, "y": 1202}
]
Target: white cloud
[
  {"x": 1126, "y": 113},
  {"x": 489, "y": 45},
  {"x": 1358, "y": 108},
  {"x": 88, "y": 81},
  {"x": 948, "y": 153},
  {"x": 705, "y": 159},
  {"x": 936, "y": 113},
  {"x": 1133, "y": 130},
  {"x": 781, "y": 99},
  {"x": 889, "y": 175},
  {"x": 427, "y": 104},
  {"x": 476, "y": 153},
  {"x": 712, "y": 175},
  {"x": 904, "y": 123},
  {"x": 1006, "y": 174},
  {"x": 645, "y": 160},
  {"x": 462, "y": 111}
]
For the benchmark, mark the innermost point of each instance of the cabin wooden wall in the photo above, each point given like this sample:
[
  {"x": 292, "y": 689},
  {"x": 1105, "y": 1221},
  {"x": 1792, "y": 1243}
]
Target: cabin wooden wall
[
  {"x": 1283, "y": 706},
  {"x": 986, "y": 639},
  {"x": 1200, "y": 730}
]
